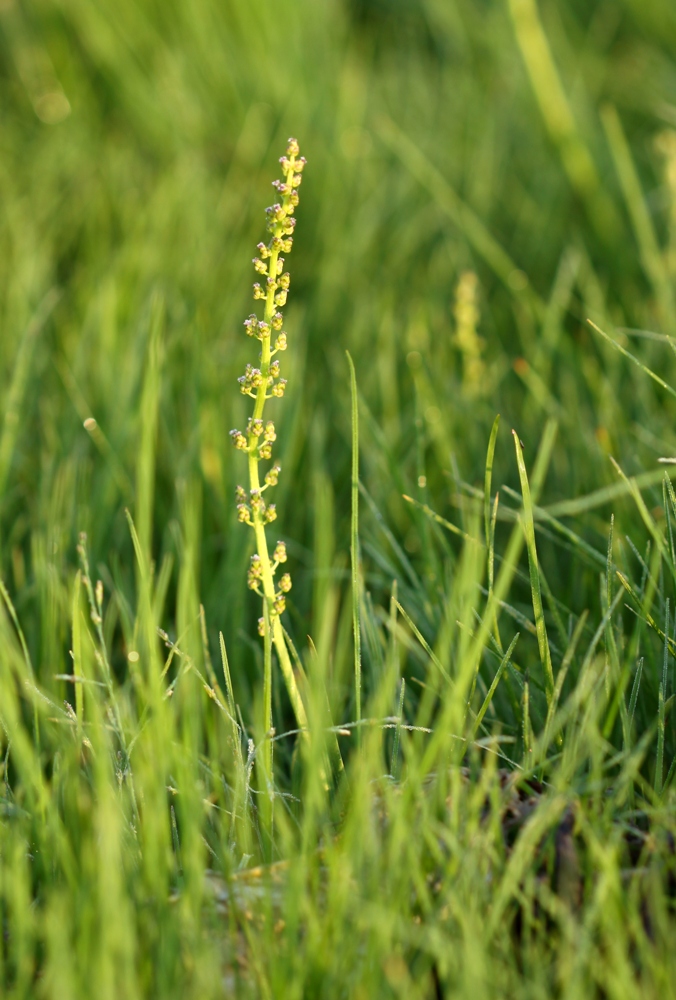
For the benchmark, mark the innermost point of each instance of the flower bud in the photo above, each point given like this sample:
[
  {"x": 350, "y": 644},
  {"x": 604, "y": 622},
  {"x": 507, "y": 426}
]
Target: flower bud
[
  {"x": 258, "y": 292},
  {"x": 280, "y": 342},
  {"x": 287, "y": 244},
  {"x": 279, "y": 606},
  {"x": 261, "y": 626},
  {"x": 251, "y": 325},
  {"x": 274, "y": 369},
  {"x": 279, "y": 555},
  {"x": 263, "y": 329},
  {"x": 281, "y": 297},
  {"x": 270, "y": 513},
  {"x": 263, "y": 250},
  {"x": 270, "y": 434},
  {"x": 292, "y": 149},
  {"x": 259, "y": 266},
  {"x": 239, "y": 440},
  {"x": 255, "y": 572},
  {"x": 285, "y": 584},
  {"x": 255, "y": 427},
  {"x": 277, "y": 321},
  {"x": 285, "y": 281},
  {"x": 265, "y": 451},
  {"x": 241, "y": 495},
  {"x": 272, "y": 475},
  {"x": 278, "y": 390},
  {"x": 243, "y": 513}
]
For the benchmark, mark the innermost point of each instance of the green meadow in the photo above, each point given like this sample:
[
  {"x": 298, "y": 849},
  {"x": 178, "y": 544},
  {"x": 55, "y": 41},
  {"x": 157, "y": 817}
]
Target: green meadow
[{"x": 438, "y": 760}]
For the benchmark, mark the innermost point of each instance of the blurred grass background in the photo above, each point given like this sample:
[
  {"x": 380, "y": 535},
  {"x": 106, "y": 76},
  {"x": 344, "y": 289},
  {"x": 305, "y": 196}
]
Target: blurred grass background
[
  {"x": 137, "y": 145},
  {"x": 531, "y": 144}
]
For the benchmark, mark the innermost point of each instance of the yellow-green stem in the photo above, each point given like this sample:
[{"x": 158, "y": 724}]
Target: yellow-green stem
[{"x": 258, "y": 523}]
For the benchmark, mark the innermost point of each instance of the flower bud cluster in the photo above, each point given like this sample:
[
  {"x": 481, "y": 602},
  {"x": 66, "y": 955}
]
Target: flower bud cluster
[
  {"x": 253, "y": 507},
  {"x": 255, "y": 573},
  {"x": 272, "y": 475},
  {"x": 253, "y": 378},
  {"x": 255, "y": 579},
  {"x": 250, "y": 380},
  {"x": 238, "y": 439},
  {"x": 256, "y": 328}
]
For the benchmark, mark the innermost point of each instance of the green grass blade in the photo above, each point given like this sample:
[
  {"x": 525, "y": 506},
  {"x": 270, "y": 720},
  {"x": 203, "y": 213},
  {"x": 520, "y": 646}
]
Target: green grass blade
[
  {"x": 149, "y": 412},
  {"x": 424, "y": 643},
  {"x": 639, "y": 364},
  {"x": 661, "y": 712},
  {"x": 354, "y": 545},
  {"x": 529, "y": 531},
  {"x": 633, "y": 700},
  {"x": 649, "y": 250},
  {"x": 17, "y": 389},
  {"x": 488, "y": 476},
  {"x": 76, "y": 632},
  {"x": 457, "y": 210},
  {"x": 394, "y": 762},
  {"x": 504, "y": 663}
]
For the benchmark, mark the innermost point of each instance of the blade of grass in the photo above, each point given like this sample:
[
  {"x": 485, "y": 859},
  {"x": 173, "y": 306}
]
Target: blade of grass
[
  {"x": 354, "y": 546},
  {"x": 639, "y": 364},
  {"x": 438, "y": 519},
  {"x": 488, "y": 476},
  {"x": 149, "y": 409},
  {"x": 662, "y": 695},
  {"x": 394, "y": 762},
  {"x": 481, "y": 239},
  {"x": 560, "y": 679},
  {"x": 529, "y": 531},
  {"x": 17, "y": 388},
  {"x": 633, "y": 700},
  {"x": 494, "y": 684},
  {"x": 77, "y": 649},
  {"x": 424, "y": 643},
  {"x": 649, "y": 250}
]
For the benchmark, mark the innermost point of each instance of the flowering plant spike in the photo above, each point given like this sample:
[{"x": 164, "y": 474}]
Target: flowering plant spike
[{"x": 262, "y": 383}]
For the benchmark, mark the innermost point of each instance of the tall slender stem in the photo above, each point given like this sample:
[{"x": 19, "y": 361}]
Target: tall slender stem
[
  {"x": 260, "y": 384},
  {"x": 354, "y": 548}
]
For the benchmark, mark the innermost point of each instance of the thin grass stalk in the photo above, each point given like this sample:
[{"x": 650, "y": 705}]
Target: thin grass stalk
[
  {"x": 529, "y": 531},
  {"x": 354, "y": 547},
  {"x": 261, "y": 384}
]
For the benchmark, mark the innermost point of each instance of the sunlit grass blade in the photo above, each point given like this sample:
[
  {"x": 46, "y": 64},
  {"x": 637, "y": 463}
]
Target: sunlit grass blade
[
  {"x": 354, "y": 545},
  {"x": 529, "y": 531},
  {"x": 488, "y": 477},
  {"x": 504, "y": 663},
  {"x": 651, "y": 256},
  {"x": 639, "y": 364}
]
